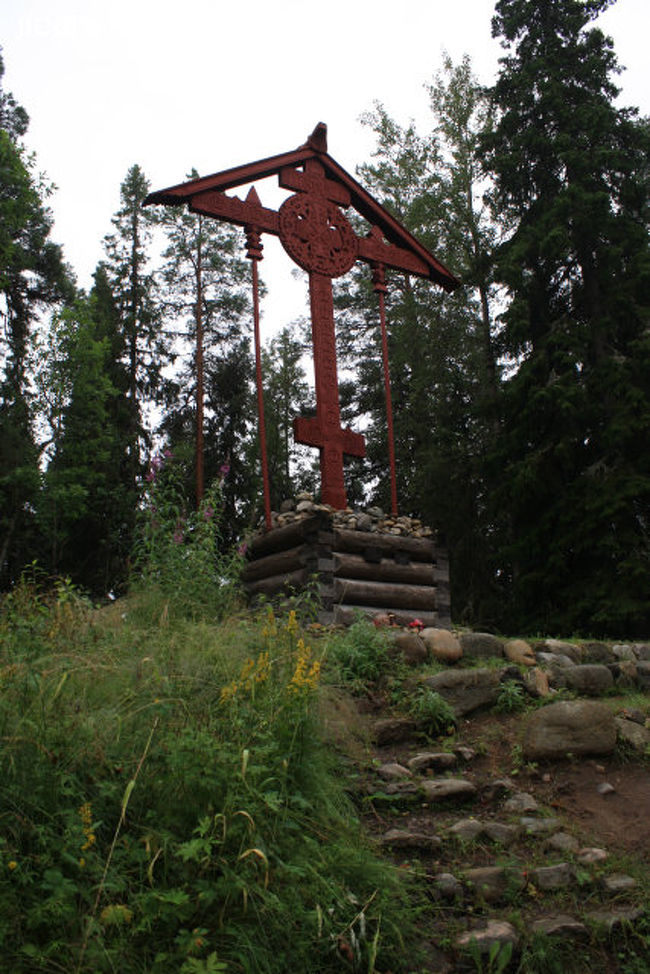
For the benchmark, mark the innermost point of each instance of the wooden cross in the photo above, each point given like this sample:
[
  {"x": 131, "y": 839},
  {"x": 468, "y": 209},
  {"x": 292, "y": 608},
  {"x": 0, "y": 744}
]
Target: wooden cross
[{"x": 317, "y": 236}]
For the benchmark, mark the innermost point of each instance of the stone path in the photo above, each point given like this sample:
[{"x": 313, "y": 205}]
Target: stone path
[{"x": 499, "y": 866}]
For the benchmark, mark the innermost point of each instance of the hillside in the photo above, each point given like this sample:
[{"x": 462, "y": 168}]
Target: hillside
[{"x": 257, "y": 793}]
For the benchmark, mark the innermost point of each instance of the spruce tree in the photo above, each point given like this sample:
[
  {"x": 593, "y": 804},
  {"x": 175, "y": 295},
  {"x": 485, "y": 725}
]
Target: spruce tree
[
  {"x": 33, "y": 279},
  {"x": 133, "y": 286},
  {"x": 87, "y": 510},
  {"x": 285, "y": 397},
  {"x": 572, "y": 468}
]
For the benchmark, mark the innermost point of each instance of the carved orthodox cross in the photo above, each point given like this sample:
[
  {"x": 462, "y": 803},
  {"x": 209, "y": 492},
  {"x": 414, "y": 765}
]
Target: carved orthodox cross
[{"x": 317, "y": 236}]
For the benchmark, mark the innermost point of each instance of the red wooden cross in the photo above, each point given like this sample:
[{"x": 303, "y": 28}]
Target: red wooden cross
[{"x": 316, "y": 234}]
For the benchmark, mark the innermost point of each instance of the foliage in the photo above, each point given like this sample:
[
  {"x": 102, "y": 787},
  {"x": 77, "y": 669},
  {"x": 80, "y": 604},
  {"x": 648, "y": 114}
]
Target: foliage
[
  {"x": 511, "y": 698},
  {"x": 204, "y": 283},
  {"x": 87, "y": 509},
  {"x": 495, "y": 961},
  {"x": 167, "y": 802},
  {"x": 432, "y": 712},
  {"x": 33, "y": 279},
  {"x": 360, "y": 653},
  {"x": 570, "y": 180},
  {"x": 441, "y": 347},
  {"x": 180, "y": 551}
]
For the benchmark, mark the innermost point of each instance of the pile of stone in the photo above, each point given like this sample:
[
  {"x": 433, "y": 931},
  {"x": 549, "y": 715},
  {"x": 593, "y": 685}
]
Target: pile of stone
[{"x": 373, "y": 520}]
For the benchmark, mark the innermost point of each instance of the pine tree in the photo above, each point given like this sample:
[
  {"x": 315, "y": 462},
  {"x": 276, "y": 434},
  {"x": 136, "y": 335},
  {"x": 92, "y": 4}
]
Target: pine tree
[
  {"x": 570, "y": 173},
  {"x": 205, "y": 283},
  {"x": 33, "y": 278},
  {"x": 133, "y": 285},
  {"x": 88, "y": 507}
]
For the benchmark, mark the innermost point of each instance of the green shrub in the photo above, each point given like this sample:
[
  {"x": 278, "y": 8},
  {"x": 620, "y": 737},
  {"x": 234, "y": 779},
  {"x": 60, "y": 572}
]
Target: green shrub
[
  {"x": 360, "y": 654},
  {"x": 179, "y": 551},
  {"x": 434, "y": 715},
  {"x": 511, "y": 698}
]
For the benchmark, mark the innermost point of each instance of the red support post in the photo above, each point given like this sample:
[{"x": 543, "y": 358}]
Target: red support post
[{"x": 254, "y": 253}]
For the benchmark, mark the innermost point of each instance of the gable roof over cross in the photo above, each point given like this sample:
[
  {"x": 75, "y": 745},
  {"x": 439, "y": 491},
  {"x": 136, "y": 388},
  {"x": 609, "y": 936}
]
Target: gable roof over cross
[
  {"x": 394, "y": 247},
  {"x": 318, "y": 237}
]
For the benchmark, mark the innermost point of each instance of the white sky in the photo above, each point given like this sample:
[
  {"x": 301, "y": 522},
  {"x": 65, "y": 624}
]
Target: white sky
[{"x": 210, "y": 84}]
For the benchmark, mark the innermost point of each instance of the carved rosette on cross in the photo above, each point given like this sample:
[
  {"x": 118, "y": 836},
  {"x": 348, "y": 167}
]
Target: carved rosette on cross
[{"x": 317, "y": 235}]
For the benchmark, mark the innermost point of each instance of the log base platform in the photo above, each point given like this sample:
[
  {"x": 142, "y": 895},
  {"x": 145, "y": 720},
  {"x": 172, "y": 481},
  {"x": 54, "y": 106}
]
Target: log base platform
[{"x": 351, "y": 572}]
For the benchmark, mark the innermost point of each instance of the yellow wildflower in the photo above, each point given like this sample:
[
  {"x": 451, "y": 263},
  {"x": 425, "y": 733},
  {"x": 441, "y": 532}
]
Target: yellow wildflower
[
  {"x": 115, "y": 913},
  {"x": 292, "y": 623},
  {"x": 86, "y": 815},
  {"x": 228, "y": 693},
  {"x": 306, "y": 673},
  {"x": 263, "y": 667},
  {"x": 12, "y": 864},
  {"x": 270, "y": 629}
]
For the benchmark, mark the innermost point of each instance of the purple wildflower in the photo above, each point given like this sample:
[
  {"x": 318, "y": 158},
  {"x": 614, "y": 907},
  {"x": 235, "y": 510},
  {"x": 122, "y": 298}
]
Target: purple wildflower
[
  {"x": 224, "y": 470},
  {"x": 243, "y": 548},
  {"x": 208, "y": 513}
]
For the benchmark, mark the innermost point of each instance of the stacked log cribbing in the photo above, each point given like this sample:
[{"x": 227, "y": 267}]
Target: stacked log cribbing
[{"x": 351, "y": 571}]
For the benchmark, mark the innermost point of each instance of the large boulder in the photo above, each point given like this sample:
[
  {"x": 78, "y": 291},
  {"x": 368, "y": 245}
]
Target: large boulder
[
  {"x": 411, "y": 648},
  {"x": 442, "y": 644},
  {"x": 520, "y": 652},
  {"x": 590, "y": 679},
  {"x": 466, "y": 690},
  {"x": 481, "y": 645},
  {"x": 599, "y": 653},
  {"x": 563, "y": 648},
  {"x": 575, "y": 727},
  {"x": 643, "y": 674}
]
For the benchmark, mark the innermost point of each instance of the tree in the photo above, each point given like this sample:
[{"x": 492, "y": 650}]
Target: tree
[
  {"x": 570, "y": 172},
  {"x": 87, "y": 511},
  {"x": 133, "y": 286},
  {"x": 442, "y": 350},
  {"x": 285, "y": 394},
  {"x": 33, "y": 278},
  {"x": 205, "y": 281}
]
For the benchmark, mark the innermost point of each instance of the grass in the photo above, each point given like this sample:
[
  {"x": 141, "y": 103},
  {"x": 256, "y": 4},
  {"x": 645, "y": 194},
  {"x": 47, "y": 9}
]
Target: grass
[{"x": 168, "y": 803}]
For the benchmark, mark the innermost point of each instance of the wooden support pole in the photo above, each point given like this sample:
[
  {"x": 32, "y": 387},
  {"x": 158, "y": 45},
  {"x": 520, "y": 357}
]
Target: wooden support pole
[{"x": 254, "y": 253}]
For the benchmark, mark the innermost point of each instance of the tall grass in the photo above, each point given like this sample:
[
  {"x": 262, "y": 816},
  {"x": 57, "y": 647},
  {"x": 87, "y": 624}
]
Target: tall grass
[{"x": 167, "y": 802}]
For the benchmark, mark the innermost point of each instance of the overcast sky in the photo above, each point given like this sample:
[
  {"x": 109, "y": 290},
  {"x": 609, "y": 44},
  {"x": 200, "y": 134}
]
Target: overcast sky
[{"x": 211, "y": 84}]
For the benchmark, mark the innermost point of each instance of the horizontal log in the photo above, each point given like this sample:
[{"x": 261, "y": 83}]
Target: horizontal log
[
  {"x": 355, "y": 592},
  {"x": 418, "y": 549},
  {"x": 279, "y": 562},
  {"x": 288, "y": 536},
  {"x": 387, "y": 570},
  {"x": 277, "y": 583},
  {"x": 345, "y": 615}
]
